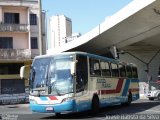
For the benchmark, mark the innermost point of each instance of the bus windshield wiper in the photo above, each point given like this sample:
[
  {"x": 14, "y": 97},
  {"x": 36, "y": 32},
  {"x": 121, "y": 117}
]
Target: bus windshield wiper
[{"x": 38, "y": 91}]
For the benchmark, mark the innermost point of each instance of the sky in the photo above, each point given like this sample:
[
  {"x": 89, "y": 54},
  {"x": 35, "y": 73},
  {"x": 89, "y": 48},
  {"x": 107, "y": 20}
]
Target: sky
[{"x": 85, "y": 14}]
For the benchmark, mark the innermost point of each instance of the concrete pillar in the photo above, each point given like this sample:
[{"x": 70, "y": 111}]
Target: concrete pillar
[
  {"x": 1, "y": 15},
  {"x": 29, "y": 27}
]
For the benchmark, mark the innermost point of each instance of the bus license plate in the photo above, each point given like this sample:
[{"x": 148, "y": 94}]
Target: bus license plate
[{"x": 49, "y": 109}]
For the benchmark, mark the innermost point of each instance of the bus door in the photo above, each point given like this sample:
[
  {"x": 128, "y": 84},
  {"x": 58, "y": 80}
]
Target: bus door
[{"x": 81, "y": 81}]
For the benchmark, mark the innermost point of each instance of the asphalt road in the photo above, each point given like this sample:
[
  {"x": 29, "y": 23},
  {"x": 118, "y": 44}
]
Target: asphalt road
[{"x": 140, "y": 109}]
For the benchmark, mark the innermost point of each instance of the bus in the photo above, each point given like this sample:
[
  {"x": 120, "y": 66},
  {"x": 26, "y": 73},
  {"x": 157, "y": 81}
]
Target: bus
[{"x": 80, "y": 81}]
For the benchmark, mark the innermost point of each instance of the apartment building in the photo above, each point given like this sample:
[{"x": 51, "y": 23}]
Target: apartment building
[
  {"x": 60, "y": 28},
  {"x": 19, "y": 44}
]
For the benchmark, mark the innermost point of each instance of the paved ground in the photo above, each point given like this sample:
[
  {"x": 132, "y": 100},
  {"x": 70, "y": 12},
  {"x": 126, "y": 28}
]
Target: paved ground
[{"x": 144, "y": 108}]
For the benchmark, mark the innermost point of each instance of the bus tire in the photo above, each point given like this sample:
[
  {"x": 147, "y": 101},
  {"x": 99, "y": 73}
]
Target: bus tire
[
  {"x": 58, "y": 114},
  {"x": 95, "y": 105},
  {"x": 151, "y": 98},
  {"x": 158, "y": 97}
]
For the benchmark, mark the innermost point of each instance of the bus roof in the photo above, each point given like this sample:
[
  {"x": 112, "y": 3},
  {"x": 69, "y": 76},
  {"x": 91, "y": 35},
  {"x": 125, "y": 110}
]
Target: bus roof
[
  {"x": 87, "y": 54},
  {"x": 78, "y": 53}
]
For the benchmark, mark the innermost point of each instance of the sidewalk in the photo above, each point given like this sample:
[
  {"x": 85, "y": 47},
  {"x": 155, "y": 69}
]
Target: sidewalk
[
  {"x": 143, "y": 96},
  {"x": 23, "y": 105}
]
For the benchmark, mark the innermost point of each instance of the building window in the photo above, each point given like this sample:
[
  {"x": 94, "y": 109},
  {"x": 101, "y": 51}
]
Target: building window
[
  {"x": 11, "y": 18},
  {"x": 34, "y": 43},
  {"x": 10, "y": 68},
  {"x": 6, "y": 42},
  {"x": 33, "y": 19},
  {"x": 12, "y": 86}
]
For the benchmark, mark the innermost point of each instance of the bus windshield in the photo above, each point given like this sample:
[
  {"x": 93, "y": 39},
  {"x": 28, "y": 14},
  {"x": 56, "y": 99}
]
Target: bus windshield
[{"x": 53, "y": 72}]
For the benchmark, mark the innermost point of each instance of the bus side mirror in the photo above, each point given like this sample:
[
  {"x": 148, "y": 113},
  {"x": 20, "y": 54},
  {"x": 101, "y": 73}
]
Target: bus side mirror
[
  {"x": 73, "y": 67},
  {"x": 24, "y": 72}
]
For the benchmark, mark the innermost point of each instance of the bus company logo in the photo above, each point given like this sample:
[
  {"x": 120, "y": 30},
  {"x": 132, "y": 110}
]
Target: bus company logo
[
  {"x": 103, "y": 83},
  {"x": 101, "y": 80}
]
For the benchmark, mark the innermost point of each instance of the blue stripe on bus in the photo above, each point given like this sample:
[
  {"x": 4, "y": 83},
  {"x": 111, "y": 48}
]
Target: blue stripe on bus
[
  {"x": 126, "y": 87},
  {"x": 84, "y": 105},
  {"x": 43, "y": 98}
]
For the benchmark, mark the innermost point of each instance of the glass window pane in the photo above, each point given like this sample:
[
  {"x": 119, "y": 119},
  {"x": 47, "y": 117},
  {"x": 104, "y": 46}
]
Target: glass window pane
[
  {"x": 12, "y": 86},
  {"x": 10, "y": 68},
  {"x": 33, "y": 19},
  {"x": 105, "y": 68},
  {"x": 134, "y": 72},
  {"x": 122, "y": 70},
  {"x": 34, "y": 43},
  {"x": 129, "y": 71},
  {"x": 115, "y": 71},
  {"x": 6, "y": 42},
  {"x": 94, "y": 67},
  {"x": 11, "y": 18},
  {"x": 81, "y": 73}
]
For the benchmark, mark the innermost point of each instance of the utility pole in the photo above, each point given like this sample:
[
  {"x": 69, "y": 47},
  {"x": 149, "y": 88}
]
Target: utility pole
[{"x": 40, "y": 28}]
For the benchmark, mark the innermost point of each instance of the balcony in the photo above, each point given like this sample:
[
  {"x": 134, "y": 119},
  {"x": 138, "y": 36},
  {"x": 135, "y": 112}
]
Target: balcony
[
  {"x": 25, "y": 3},
  {"x": 15, "y": 54},
  {"x": 14, "y": 28}
]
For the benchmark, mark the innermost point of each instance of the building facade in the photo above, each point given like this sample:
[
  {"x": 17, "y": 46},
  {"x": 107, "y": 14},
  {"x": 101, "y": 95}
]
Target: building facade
[
  {"x": 19, "y": 44},
  {"x": 60, "y": 28}
]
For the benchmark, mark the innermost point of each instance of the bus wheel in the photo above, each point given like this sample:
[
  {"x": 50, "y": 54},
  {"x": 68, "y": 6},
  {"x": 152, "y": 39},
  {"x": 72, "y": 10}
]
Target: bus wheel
[
  {"x": 151, "y": 98},
  {"x": 58, "y": 114},
  {"x": 158, "y": 97},
  {"x": 95, "y": 105}
]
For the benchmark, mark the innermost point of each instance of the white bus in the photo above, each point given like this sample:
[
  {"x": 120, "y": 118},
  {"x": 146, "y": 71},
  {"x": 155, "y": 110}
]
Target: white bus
[{"x": 78, "y": 81}]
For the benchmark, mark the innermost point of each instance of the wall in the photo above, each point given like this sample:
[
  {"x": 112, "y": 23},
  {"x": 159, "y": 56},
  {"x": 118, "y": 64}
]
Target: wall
[{"x": 20, "y": 40}]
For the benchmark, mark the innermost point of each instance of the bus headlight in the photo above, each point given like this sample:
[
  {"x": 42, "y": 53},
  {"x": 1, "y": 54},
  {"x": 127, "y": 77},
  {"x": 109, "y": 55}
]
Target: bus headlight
[{"x": 67, "y": 99}]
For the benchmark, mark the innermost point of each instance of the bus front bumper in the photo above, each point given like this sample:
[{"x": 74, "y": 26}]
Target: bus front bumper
[{"x": 68, "y": 106}]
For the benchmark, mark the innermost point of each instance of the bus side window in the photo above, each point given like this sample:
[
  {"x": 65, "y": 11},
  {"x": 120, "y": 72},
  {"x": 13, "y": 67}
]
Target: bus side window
[
  {"x": 82, "y": 73},
  {"x": 115, "y": 71},
  {"x": 105, "y": 68},
  {"x": 94, "y": 67},
  {"x": 129, "y": 71},
  {"x": 134, "y": 72},
  {"x": 122, "y": 70}
]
